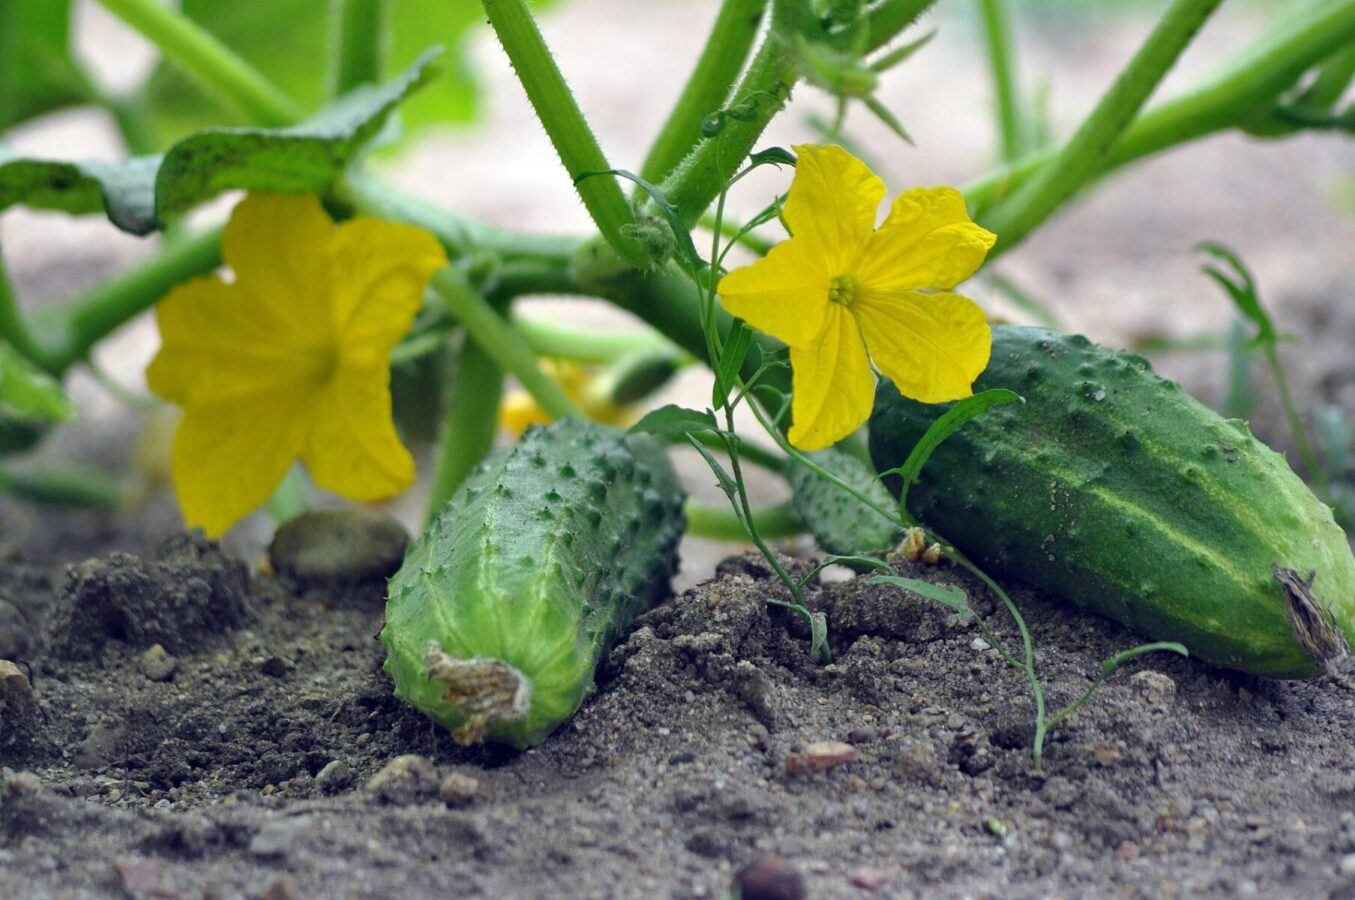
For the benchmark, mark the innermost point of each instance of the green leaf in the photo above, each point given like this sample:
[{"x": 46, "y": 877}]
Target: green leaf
[
  {"x": 943, "y": 428},
  {"x": 37, "y": 73},
  {"x": 672, "y": 419},
  {"x": 945, "y": 594},
  {"x": 731, "y": 361},
  {"x": 140, "y": 195},
  {"x": 287, "y": 40},
  {"x": 30, "y": 401},
  {"x": 27, "y": 392},
  {"x": 818, "y": 638},
  {"x": 1241, "y": 287}
]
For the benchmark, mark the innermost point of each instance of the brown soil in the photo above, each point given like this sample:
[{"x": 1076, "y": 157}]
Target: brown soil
[{"x": 266, "y": 756}]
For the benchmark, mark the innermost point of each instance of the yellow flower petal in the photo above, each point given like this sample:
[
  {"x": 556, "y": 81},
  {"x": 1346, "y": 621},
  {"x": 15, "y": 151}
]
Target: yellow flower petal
[
  {"x": 219, "y": 344},
  {"x": 927, "y": 241},
  {"x": 378, "y": 275},
  {"x": 932, "y": 346},
  {"x": 278, "y": 245},
  {"x": 831, "y": 206},
  {"x": 291, "y": 359},
  {"x": 229, "y": 456},
  {"x": 784, "y": 294},
  {"x": 353, "y": 448},
  {"x": 833, "y": 384}
]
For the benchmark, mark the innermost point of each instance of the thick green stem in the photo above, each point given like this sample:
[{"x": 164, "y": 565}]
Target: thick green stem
[
  {"x": 708, "y": 87},
  {"x": 1253, "y": 79},
  {"x": 1084, "y": 156},
  {"x": 997, "y": 32},
  {"x": 721, "y": 523},
  {"x": 460, "y": 236},
  {"x": 760, "y": 95},
  {"x": 502, "y": 343},
  {"x": 215, "y": 67},
  {"x": 565, "y": 124},
  {"x": 66, "y": 332},
  {"x": 472, "y": 422},
  {"x": 358, "y": 42},
  {"x": 587, "y": 345}
]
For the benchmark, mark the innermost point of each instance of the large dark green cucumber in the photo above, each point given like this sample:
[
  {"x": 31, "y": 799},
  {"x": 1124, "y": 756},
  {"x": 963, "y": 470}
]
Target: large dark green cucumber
[
  {"x": 504, "y": 607},
  {"x": 1113, "y": 488}
]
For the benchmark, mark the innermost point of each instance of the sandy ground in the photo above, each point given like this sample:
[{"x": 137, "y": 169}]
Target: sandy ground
[{"x": 248, "y": 769}]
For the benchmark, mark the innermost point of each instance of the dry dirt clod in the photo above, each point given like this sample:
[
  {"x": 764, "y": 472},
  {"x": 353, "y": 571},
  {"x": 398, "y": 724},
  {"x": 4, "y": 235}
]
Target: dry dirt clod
[
  {"x": 20, "y": 717},
  {"x": 458, "y": 789},
  {"x": 409, "y": 778},
  {"x": 819, "y": 756},
  {"x": 16, "y": 638},
  {"x": 1155, "y": 688},
  {"x": 157, "y": 664},
  {"x": 770, "y": 878},
  {"x": 137, "y": 875}
]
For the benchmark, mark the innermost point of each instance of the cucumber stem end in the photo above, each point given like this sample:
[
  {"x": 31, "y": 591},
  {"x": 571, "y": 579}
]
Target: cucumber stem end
[{"x": 484, "y": 690}]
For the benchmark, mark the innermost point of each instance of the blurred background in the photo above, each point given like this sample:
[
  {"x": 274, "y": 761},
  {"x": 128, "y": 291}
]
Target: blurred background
[{"x": 1118, "y": 266}]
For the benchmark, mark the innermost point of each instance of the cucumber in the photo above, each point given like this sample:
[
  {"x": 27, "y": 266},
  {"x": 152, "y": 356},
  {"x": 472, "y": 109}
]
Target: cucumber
[
  {"x": 1113, "y": 488},
  {"x": 504, "y": 607},
  {"x": 839, "y": 522}
]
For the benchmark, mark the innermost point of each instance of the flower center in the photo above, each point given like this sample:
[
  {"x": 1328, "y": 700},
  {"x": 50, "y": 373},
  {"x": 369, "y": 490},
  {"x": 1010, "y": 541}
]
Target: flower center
[{"x": 844, "y": 290}]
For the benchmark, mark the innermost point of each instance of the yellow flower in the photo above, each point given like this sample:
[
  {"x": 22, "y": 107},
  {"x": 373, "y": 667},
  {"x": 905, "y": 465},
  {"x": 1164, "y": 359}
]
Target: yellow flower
[
  {"x": 290, "y": 359},
  {"x": 580, "y": 383},
  {"x": 843, "y": 294}
]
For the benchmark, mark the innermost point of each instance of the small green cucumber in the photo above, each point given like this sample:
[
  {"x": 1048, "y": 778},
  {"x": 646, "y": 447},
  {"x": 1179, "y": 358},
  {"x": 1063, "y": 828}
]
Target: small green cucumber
[
  {"x": 1113, "y": 488},
  {"x": 506, "y": 604},
  {"x": 839, "y": 522}
]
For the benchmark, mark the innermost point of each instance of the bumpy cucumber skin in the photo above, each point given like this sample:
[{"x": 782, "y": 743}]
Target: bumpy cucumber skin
[
  {"x": 542, "y": 559},
  {"x": 839, "y": 522},
  {"x": 1113, "y": 488}
]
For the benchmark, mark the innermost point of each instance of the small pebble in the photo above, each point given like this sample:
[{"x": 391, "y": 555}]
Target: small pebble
[
  {"x": 138, "y": 875},
  {"x": 458, "y": 789},
  {"x": 1347, "y": 866},
  {"x": 980, "y": 645},
  {"x": 282, "y": 888},
  {"x": 405, "y": 779},
  {"x": 157, "y": 664},
  {"x": 1126, "y": 850},
  {"x": 14, "y": 683},
  {"x": 770, "y": 878},
  {"x": 818, "y": 756},
  {"x": 335, "y": 776},
  {"x": 868, "y": 878},
  {"x": 1155, "y": 688}
]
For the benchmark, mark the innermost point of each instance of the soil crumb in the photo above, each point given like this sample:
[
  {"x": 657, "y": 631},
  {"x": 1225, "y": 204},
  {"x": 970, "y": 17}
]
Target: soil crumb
[
  {"x": 188, "y": 593},
  {"x": 271, "y": 760}
]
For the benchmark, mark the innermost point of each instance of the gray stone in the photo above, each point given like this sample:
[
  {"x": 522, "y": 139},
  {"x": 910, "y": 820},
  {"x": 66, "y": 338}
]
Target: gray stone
[
  {"x": 351, "y": 544},
  {"x": 335, "y": 776}
]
